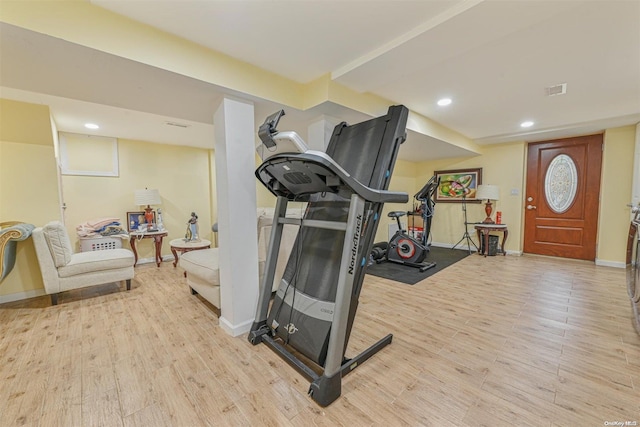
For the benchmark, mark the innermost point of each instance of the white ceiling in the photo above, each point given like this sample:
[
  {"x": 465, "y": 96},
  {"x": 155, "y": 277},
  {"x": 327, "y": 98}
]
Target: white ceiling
[{"x": 493, "y": 58}]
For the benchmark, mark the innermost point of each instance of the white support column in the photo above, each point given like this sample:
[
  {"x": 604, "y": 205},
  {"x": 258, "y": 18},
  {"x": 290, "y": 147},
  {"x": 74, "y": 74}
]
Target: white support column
[
  {"x": 319, "y": 132},
  {"x": 235, "y": 132}
]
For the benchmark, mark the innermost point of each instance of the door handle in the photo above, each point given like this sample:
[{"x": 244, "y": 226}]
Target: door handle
[{"x": 530, "y": 207}]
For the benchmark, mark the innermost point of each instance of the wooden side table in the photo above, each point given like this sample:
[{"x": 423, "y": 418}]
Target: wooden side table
[
  {"x": 157, "y": 237},
  {"x": 484, "y": 230},
  {"x": 179, "y": 245}
]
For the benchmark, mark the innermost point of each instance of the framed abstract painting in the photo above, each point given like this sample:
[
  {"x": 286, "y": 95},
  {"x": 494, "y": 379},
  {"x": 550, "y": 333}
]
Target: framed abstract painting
[{"x": 458, "y": 185}]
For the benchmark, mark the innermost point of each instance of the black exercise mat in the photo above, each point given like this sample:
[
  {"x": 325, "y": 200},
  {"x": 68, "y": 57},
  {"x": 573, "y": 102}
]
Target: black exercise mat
[{"x": 443, "y": 257}]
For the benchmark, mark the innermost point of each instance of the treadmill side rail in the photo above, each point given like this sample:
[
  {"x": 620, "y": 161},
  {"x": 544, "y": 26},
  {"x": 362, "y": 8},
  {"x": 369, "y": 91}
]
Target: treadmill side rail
[
  {"x": 270, "y": 267},
  {"x": 350, "y": 260}
]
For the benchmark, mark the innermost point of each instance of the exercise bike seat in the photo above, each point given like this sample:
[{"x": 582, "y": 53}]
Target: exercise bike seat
[{"x": 396, "y": 214}]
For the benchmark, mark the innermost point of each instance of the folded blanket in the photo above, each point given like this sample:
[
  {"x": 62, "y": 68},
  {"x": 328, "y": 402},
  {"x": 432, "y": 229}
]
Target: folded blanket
[
  {"x": 107, "y": 227},
  {"x": 112, "y": 230},
  {"x": 98, "y": 223},
  {"x": 94, "y": 226}
]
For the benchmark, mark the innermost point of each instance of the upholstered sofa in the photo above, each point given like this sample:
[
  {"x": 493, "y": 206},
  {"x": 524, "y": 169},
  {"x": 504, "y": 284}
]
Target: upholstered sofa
[
  {"x": 63, "y": 270},
  {"x": 201, "y": 266}
]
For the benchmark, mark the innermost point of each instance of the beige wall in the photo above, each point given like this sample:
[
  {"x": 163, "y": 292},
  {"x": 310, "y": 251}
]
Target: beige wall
[
  {"x": 25, "y": 123},
  {"x": 403, "y": 179},
  {"x": 183, "y": 175},
  {"x": 186, "y": 181},
  {"x": 264, "y": 198},
  {"x": 502, "y": 165},
  {"x": 615, "y": 193},
  {"x": 28, "y": 183}
]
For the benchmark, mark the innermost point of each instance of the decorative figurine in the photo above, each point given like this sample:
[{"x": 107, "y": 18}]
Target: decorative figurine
[
  {"x": 192, "y": 229},
  {"x": 159, "y": 222}
]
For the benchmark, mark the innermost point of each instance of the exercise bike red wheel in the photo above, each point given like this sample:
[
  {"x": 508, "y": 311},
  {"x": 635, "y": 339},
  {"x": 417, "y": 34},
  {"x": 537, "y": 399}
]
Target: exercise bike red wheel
[{"x": 406, "y": 248}]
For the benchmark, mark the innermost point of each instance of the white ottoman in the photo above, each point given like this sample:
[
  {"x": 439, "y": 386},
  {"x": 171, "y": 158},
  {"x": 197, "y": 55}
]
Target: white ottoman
[{"x": 203, "y": 277}]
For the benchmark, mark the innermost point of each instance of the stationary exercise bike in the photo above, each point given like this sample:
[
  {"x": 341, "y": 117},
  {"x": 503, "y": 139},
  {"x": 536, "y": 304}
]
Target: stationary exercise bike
[{"x": 402, "y": 248}]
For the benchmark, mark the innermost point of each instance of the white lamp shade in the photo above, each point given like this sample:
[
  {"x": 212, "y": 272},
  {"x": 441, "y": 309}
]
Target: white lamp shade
[
  {"x": 147, "y": 197},
  {"x": 488, "y": 192}
]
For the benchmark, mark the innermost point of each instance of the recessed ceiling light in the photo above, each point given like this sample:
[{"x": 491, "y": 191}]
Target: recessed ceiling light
[
  {"x": 91, "y": 126},
  {"x": 444, "y": 101},
  {"x": 526, "y": 124}
]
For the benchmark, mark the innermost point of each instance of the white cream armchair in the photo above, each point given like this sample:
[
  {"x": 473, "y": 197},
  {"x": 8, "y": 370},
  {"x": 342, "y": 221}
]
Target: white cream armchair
[{"x": 62, "y": 270}]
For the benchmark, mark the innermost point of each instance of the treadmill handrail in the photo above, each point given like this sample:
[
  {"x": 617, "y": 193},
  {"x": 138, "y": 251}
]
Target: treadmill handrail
[{"x": 322, "y": 159}]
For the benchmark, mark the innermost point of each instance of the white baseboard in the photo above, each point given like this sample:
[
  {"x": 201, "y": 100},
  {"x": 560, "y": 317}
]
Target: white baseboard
[
  {"x": 165, "y": 258},
  {"x": 21, "y": 295},
  {"x": 473, "y": 249},
  {"x": 600, "y": 262},
  {"x": 450, "y": 245},
  {"x": 235, "y": 330},
  {"x": 605, "y": 263},
  {"x": 18, "y": 296}
]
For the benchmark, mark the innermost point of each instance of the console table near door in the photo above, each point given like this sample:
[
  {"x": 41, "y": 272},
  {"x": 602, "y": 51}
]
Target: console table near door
[
  {"x": 483, "y": 231},
  {"x": 157, "y": 237}
]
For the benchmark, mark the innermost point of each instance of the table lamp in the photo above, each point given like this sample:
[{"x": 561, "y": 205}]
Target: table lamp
[
  {"x": 488, "y": 192},
  {"x": 147, "y": 197}
]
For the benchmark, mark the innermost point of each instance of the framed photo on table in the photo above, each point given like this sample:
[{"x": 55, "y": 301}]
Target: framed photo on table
[
  {"x": 135, "y": 219},
  {"x": 458, "y": 185}
]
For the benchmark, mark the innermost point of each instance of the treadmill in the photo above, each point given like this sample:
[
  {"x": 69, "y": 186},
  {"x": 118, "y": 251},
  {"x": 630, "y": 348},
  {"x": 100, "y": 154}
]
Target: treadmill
[{"x": 310, "y": 319}]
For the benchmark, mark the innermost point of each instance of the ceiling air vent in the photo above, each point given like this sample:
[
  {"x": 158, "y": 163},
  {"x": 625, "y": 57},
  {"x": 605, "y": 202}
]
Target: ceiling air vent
[
  {"x": 176, "y": 124},
  {"x": 554, "y": 90}
]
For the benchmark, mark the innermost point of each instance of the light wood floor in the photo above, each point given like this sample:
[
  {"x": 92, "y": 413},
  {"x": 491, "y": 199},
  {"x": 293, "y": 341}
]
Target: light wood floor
[{"x": 489, "y": 341}]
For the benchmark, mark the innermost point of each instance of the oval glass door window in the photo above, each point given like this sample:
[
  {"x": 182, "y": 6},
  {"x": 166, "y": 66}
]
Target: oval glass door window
[{"x": 561, "y": 183}]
